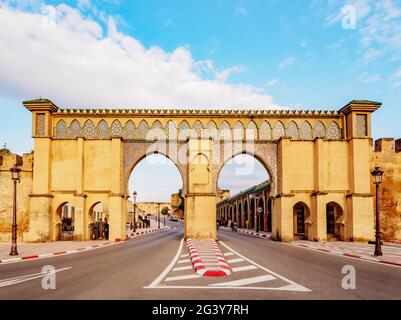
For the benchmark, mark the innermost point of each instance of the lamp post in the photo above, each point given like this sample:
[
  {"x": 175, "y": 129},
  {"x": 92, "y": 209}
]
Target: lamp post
[
  {"x": 255, "y": 196},
  {"x": 158, "y": 215},
  {"x": 134, "y": 195},
  {"x": 15, "y": 176},
  {"x": 377, "y": 180}
]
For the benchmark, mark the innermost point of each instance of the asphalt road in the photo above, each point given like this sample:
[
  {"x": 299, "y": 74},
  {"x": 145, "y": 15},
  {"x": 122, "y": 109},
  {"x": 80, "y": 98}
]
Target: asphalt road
[{"x": 124, "y": 271}]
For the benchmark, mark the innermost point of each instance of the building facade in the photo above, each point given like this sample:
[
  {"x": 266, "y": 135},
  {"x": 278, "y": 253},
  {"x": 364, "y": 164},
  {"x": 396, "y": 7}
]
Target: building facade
[{"x": 318, "y": 161}]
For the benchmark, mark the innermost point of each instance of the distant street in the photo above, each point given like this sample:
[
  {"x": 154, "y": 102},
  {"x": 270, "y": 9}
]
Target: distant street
[{"x": 145, "y": 268}]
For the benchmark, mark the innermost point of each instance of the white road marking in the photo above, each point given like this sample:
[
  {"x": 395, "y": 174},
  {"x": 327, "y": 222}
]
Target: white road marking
[
  {"x": 25, "y": 278},
  {"x": 227, "y": 254},
  {"x": 184, "y": 261},
  {"x": 190, "y": 276},
  {"x": 239, "y": 269},
  {"x": 159, "y": 279},
  {"x": 235, "y": 260},
  {"x": 296, "y": 285},
  {"x": 185, "y": 255},
  {"x": 183, "y": 268},
  {"x": 242, "y": 282}
]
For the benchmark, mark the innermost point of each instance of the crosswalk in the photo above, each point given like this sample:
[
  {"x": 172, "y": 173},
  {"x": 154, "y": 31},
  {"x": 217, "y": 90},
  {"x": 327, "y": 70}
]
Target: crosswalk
[{"x": 246, "y": 275}]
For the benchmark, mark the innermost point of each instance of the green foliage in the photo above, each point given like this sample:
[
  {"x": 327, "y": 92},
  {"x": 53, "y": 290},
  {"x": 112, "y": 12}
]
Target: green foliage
[{"x": 164, "y": 211}]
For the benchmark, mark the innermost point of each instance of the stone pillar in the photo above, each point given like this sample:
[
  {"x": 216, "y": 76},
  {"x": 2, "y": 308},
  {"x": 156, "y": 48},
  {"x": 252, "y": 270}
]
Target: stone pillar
[
  {"x": 200, "y": 200},
  {"x": 40, "y": 206},
  {"x": 117, "y": 201}
]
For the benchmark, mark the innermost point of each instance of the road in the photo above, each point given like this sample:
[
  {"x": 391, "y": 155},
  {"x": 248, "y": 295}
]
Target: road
[{"x": 125, "y": 271}]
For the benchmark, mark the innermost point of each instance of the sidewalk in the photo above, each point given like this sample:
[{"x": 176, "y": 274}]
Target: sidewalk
[
  {"x": 29, "y": 251},
  {"x": 260, "y": 234},
  {"x": 391, "y": 254}
]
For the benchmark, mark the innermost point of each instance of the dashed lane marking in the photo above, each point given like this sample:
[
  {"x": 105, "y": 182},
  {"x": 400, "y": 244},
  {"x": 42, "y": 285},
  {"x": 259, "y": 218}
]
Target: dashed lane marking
[
  {"x": 183, "y": 268},
  {"x": 235, "y": 260},
  {"x": 190, "y": 276},
  {"x": 245, "y": 268},
  {"x": 243, "y": 282},
  {"x": 184, "y": 261}
]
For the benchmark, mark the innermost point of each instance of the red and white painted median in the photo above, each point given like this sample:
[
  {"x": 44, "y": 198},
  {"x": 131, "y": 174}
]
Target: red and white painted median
[{"x": 207, "y": 258}]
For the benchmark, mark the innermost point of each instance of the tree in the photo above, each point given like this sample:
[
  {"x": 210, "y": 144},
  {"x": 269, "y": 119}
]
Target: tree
[{"x": 164, "y": 211}]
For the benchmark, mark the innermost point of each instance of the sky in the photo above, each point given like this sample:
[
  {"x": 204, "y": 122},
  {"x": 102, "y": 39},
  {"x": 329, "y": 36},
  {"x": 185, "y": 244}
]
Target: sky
[{"x": 304, "y": 54}]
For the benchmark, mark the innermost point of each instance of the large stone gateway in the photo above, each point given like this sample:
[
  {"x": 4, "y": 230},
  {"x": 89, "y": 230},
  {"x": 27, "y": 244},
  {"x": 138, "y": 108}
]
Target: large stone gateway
[{"x": 314, "y": 158}]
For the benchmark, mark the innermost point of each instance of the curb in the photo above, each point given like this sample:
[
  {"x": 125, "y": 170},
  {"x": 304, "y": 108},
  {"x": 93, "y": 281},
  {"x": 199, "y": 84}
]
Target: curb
[
  {"x": 252, "y": 233},
  {"x": 349, "y": 255},
  {"x": 200, "y": 268},
  {"x": 92, "y": 247},
  {"x": 141, "y": 233}
]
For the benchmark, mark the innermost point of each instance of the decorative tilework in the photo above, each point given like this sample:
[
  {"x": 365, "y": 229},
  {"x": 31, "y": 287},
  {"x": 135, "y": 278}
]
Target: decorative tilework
[
  {"x": 61, "y": 130},
  {"x": 183, "y": 131},
  {"x": 333, "y": 131},
  {"x": 171, "y": 130},
  {"x": 238, "y": 131},
  {"x": 143, "y": 130},
  {"x": 89, "y": 130},
  {"x": 251, "y": 131},
  {"x": 197, "y": 130},
  {"x": 305, "y": 131},
  {"x": 129, "y": 130},
  {"x": 40, "y": 124},
  {"x": 361, "y": 125},
  {"x": 103, "y": 130},
  {"x": 212, "y": 131},
  {"x": 116, "y": 129},
  {"x": 157, "y": 132},
  {"x": 265, "y": 131},
  {"x": 278, "y": 130},
  {"x": 319, "y": 131},
  {"x": 75, "y": 129},
  {"x": 292, "y": 131},
  {"x": 225, "y": 132}
]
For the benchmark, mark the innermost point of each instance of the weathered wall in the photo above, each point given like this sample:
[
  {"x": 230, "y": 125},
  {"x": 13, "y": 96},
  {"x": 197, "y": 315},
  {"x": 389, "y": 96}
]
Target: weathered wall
[
  {"x": 387, "y": 155},
  {"x": 7, "y": 160}
]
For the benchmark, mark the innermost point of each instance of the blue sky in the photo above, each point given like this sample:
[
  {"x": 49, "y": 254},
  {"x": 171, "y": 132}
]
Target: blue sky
[{"x": 212, "y": 53}]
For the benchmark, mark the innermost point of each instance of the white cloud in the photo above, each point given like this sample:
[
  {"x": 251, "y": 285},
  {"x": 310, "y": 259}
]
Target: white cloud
[
  {"x": 78, "y": 63},
  {"x": 272, "y": 83},
  {"x": 367, "y": 78},
  {"x": 286, "y": 63}
]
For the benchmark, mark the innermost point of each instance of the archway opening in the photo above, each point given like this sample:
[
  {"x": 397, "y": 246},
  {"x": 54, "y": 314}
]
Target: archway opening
[
  {"x": 155, "y": 193},
  {"x": 300, "y": 218},
  {"x": 65, "y": 222},
  {"x": 98, "y": 222},
  {"x": 244, "y": 186},
  {"x": 334, "y": 223}
]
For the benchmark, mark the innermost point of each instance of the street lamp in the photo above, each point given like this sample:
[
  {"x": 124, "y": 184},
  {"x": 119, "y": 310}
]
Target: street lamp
[
  {"x": 377, "y": 180},
  {"x": 158, "y": 215},
  {"x": 134, "y": 195},
  {"x": 15, "y": 176}
]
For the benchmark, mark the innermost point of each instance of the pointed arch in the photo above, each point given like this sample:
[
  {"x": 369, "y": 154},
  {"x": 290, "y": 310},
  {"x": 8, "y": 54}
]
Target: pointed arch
[
  {"x": 75, "y": 129},
  {"x": 265, "y": 131},
  {"x": 278, "y": 130},
  {"x": 319, "y": 131},
  {"x": 333, "y": 131},
  {"x": 225, "y": 131},
  {"x": 171, "y": 130},
  {"x": 252, "y": 131},
  {"x": 156, "y": 132},
  {"x": 184, "y": 131},
  {"x": 61, "y": 129},
  {"x": 129, "y": 130},
  {"x": 143, "y": 130},
  {"x": 103, "y": 130},
  {"x": 211, "y": 130},
  {"x": 305, "y": 132},
  {"x": 116, "y": 129},
  {"x": 293, "y": 131},
  {"x": 238, "y": 131},
  {"x": 197, "y": 129},
  {"x": 89, "y": 129}
]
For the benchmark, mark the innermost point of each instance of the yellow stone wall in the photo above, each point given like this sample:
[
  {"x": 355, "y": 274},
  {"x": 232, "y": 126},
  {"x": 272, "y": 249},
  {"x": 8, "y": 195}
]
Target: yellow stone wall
[
  {"x": 387, "y": 155},
  {"x": 24, "y": 187}
]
